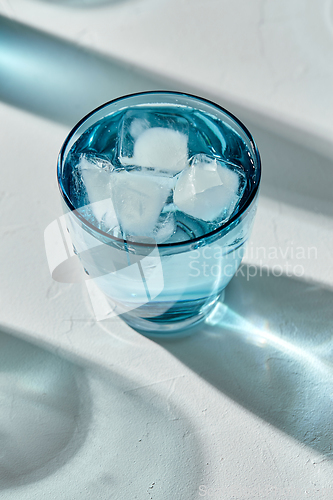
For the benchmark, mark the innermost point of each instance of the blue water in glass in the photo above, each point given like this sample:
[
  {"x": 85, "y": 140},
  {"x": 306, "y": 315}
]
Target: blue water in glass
[
  {"x": 206, "y": 135},
  {"x": 200, "y": 257}
]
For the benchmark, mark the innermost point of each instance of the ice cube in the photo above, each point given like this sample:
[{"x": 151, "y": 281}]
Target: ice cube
[
  {"x": 95, "y": 173},
  {"x": 209, "y": 188},
  {"x": 154, "y": 140},
  {"x": 165, "y": 228},
  {"x": 138, "y": 201}
]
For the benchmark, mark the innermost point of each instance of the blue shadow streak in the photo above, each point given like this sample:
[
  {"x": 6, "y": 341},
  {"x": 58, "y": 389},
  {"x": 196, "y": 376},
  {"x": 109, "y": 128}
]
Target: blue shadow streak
[
  {"x": 269, "y": 347},
  {"x": 59, "y": 80}
]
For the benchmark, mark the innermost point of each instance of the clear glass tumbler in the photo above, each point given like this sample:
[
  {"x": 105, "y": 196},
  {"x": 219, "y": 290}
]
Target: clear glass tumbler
[{"x": 158, "y": 288}]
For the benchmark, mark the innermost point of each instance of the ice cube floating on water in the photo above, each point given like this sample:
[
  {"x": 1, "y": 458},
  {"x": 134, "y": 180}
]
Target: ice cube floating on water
[
  {"x": 138, "y": 201},
  {"x": 209, "y": 188},
  {"x": 129, "y": 199},
  {"x": 95, "y": 173},
  {"x": 154, "y": 140},
  {"x": 153, "y": 168},
  {"x": 159, "y": 148}
]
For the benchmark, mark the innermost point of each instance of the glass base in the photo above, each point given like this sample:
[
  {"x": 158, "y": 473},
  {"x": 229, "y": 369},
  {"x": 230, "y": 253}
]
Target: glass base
[{"x": 175, "y": 322}]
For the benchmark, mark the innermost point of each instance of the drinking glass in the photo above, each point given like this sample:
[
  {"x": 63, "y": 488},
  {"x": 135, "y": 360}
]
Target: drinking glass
[{"x": 160, "y": 288}]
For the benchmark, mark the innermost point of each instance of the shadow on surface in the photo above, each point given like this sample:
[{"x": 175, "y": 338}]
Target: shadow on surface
[
  {"x": 59, "y": 80},
  {"x": 294, "y": 174},
  {"x": 86, "y": 4},
  {"x": 45, "y": 412},
  {"x": 269, "y": 347},
  {"x": 74, "y": 427}
]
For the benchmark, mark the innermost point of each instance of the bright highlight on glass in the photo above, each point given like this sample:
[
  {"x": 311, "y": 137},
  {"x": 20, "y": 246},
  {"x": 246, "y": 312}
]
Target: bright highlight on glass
[{"x": 160, "y": 191}]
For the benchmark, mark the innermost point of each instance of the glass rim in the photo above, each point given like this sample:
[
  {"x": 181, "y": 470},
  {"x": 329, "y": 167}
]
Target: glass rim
[{"x": 207, "y": 235}]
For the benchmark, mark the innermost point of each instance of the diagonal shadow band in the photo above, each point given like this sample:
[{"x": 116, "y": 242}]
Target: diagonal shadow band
[
  {"x": 64, "y": 416},
  {"x": 269, "y": 347},
  {"x": 62, "y": 82},
  {"x": 45, "y": 412},
  {"x": 83, "y": 4},
  {"x": 59, "y": 80}
]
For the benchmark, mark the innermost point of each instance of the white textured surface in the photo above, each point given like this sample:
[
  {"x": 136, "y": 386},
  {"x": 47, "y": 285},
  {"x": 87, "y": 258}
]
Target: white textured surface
[
  {"x": 270, "y": 59},
  {"x": 244, "y": 407}
]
